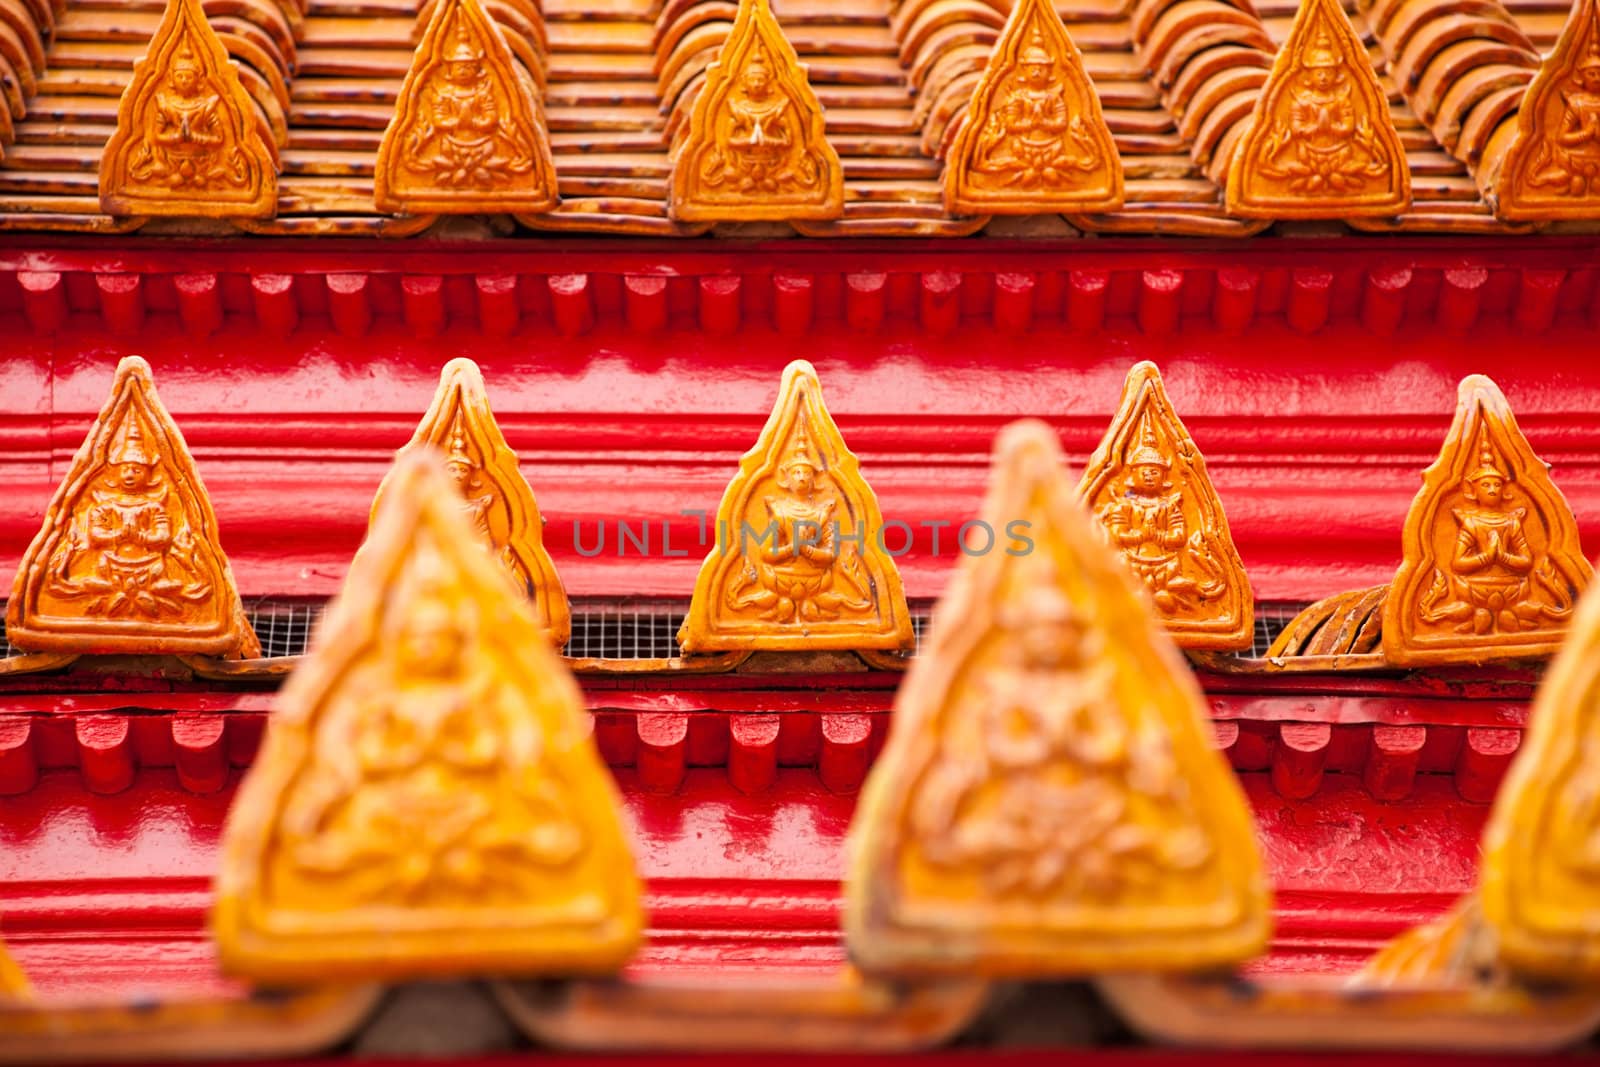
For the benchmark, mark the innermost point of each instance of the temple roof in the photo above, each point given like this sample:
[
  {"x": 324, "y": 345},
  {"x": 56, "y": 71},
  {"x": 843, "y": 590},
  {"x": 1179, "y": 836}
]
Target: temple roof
[{"x": 616, "y": 82}]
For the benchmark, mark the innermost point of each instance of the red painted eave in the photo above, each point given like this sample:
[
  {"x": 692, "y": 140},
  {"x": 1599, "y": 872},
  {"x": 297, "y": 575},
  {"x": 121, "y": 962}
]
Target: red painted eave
[
  {"x": 1317, "y": 377},
  {"x": 104, "y": 897}
]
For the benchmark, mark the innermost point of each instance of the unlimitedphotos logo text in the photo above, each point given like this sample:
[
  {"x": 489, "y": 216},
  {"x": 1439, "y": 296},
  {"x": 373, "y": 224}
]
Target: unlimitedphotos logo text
[{"x": 895, "y": 538}]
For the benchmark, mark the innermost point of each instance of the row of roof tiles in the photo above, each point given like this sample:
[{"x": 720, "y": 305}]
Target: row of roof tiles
[{"x": 886, "y": 117}]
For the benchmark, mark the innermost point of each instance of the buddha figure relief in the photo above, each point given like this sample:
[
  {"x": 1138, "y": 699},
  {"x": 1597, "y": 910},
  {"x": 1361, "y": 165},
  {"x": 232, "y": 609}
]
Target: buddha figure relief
[
  {"x": 1568, "y": 159},
  {"x": 1043, "y": 801},
  {"x": 423, "y": 786},
  {"x": 129, "y": 552},
  {"x": 1049, "y": 796},
  {"x": 1489, "y": 584},
  {"x": 1321, "y": 143},
  {"x": 460, "y": 140},
  {"x": 1031, "y": 139},
  {"x": 186, "y": 146},
  {"x": 1492, "y": 563},
  {"x": 1326, "y": 143},
  {"x": 189, "y": 139},
  {"x": 758, "y": 143},
  {"x": 800, "y": 561},
  {"x": 1146, "y": 524},
  {"x": 491, "y": 492},
  {"x": 796, "y": 569}
]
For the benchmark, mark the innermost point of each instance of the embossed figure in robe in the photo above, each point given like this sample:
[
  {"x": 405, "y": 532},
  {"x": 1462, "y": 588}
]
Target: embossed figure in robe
[
  {"x": 798, "y": 569},
  {"x": 759, "y": 147},
  {"x": 186, "y": 144},
  {"x": 1005, "y": 806},
  {"x": 477, "y": 500},
  {"x": 1030, "y": 140},
  {"x": 1492, "y": 585},
  {"x": 461, "y": 139},
  {"x": 140, "y": 551},
  {"x": 1148, "y": 527},
  {"x": 1326, "y": 145},
  {"x": 425, "y": 791},
  {"x": 1569, "y": 159}
]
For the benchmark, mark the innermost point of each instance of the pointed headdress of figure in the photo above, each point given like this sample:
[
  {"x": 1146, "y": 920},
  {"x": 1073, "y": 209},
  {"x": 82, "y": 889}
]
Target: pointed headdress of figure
[
  {"x": 459, "y": 453},
  {"x": 1036, "y": 53},
  {"x": 129, "y": 446},
  {"x": 1147, "y": 453},
  {"x": 1041, "y": 603},
  {"x": 1489, "y": 465},
  {"x": 1321, "y": 52},
  {"x": 800, "y": 457},
  {"x": 185, "y": 60},
  {"x": 464, "y": 51},
  {"x": 427, "y": 610},
  {"x": 1591, "y": 55}
]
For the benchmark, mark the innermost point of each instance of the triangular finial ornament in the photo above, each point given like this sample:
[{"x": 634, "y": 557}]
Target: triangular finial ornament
[
  {"x": 1147, "y": 484},
  {"x": 187, "y": 140},
  {"x": 801, "y": 561},
  {"x": 428, "y": 801},
  {"x": 128, "y": 559},
  {"x": 1541, "y": 865},
  {"x": 467, "y": 135},
  {"x": 1491, "y": 561},
  {"x": 1050, "y": 802},
  {"x": 1321, "y": 143},
  {"x": 1035, "y": 139},
  {"x": 756, "y": 146},
  {"x": 495, "y": 497},
  {"x": 1552, "y": 170}
]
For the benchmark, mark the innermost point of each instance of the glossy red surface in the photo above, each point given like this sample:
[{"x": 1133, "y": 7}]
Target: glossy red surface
[
  {"x": 1318, "y": 377},
  {"x": 105, "y": 895}
]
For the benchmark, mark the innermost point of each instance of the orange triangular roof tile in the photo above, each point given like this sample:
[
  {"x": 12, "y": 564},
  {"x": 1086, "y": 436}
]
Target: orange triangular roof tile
[
  {"x": 187, "y": 140},
  {"x": 128, "y": 558},
  {"x": 1321, "y": 143},
  {"x": 429, "y": 800},
  {"x": 756, "y": 146},
  {"x": 1035, "y": 139},
  {"x": 467, "y": 134},
  {"x": 1049, "y": 802}
]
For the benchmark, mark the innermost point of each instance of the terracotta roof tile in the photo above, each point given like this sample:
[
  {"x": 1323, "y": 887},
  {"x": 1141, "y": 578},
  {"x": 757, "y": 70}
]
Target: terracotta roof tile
[{"x": 1177, "y": 80}]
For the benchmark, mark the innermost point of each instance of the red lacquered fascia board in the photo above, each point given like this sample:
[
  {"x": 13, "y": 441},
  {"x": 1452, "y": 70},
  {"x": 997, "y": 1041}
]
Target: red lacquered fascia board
[
  {"x": 1315, "y": 431},
  {"x": 1385, "y": 731},
  {"x": 101, "y": 895}
]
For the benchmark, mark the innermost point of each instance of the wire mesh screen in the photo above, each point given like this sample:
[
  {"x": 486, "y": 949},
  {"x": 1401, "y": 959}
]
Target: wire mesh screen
[
  {"x": 626, "y": 630},
  {"x": 284, "y": 626},
  {"x": 648, "y": 630},
  {"x": 607, "y": 630},
  {"x": 1272, "y": 618}
]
